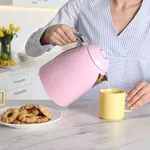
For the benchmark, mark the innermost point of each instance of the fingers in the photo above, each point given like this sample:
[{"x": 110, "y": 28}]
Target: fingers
[
  {"x": 74, "y": 30},
  {"x": 57, "y": 37},
  {"x": 136, "y": 89},
  {"x": 69, "y": 33},
  {"x": 139, "y": 95},
  {"x": 56, "y": 42},
  {"x": 61, "y": 35},
  {"x": 140, "y": 102}
]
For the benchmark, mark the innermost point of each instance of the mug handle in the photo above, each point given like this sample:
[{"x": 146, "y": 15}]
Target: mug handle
[
  {"x": 3, "y": 97},
  {"x": 127, "y": 110}
]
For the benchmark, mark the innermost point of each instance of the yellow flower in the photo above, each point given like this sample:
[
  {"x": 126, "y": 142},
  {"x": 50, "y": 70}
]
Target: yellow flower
[
  {"x": 11, "y": 26},
  {"x": 1, "y": 34},
  {"x": 17, "y": 29},
  {"x": 3, "y": 29},
  {"x": 9, "y": 32}
]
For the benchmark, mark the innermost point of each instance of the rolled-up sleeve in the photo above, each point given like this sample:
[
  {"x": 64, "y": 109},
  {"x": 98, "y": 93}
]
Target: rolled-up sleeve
[{"x": 68, "y": 15}]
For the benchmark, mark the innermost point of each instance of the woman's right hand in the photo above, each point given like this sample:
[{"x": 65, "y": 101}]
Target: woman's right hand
[{"x": 59, "y": 34}]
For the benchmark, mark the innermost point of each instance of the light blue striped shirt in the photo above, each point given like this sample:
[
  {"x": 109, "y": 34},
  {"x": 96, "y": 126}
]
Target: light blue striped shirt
[{"x": 129, "y": 53}]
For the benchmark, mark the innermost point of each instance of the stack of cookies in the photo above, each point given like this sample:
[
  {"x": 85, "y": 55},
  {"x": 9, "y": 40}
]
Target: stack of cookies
[{"x": 26, "y": 114}]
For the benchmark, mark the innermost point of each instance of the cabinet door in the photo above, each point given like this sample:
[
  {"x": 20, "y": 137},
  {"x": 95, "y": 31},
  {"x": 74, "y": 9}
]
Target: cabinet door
[
  {"x": 19, "y": 80},
  {"x": 23, "y": 93},
  {"x": 38, "y": 90},
  {"x": 4, "y": 80}
]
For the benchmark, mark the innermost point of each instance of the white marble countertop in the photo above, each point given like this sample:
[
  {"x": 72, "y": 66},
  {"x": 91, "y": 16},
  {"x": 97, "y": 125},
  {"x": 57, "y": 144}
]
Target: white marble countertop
[{"x": 81, "y": 129}]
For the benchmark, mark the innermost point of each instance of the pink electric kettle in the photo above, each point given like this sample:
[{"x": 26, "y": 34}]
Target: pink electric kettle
[{"x": 73, "y": 73}]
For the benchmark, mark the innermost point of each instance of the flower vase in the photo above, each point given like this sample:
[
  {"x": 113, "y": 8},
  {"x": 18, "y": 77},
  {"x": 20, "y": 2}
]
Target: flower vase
[
  {"x": 6, "y": 37},
  {"x": 6, "y": 50}
]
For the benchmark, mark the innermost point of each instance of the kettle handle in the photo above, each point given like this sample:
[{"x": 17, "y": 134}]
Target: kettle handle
[
  {"x": 81, "y": 42},
  {"x": 80, "y": 39}
]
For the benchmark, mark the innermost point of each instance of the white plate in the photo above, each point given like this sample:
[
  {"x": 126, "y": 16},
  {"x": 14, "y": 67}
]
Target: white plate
[{"x": 56, "y": 116}]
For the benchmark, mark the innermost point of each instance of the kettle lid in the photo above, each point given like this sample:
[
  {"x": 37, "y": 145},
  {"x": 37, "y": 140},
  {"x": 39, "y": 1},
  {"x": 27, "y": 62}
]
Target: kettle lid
[{"x": 99, "y": 58}]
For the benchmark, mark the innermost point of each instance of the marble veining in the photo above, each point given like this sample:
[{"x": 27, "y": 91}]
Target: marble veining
[{"x": 81, "y": 129}]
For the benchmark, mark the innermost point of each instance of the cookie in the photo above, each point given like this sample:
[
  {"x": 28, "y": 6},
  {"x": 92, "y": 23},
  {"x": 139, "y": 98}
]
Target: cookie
[
  {"x": 41, "y": 119},
  {"x": 28, "y": 106},
  {"x": 17, "y": 122},
  {"x": 44, "y": 111},
  {"x": 10, "y": 115},
  {"x": 23, "y": 110},
  {"x": 27, "y": 118},
  {"x": 35, "y": 111}
]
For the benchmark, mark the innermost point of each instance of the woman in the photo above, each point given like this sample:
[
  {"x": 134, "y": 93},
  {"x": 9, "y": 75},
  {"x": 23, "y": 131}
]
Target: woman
[{"x": 120, "y": 27}]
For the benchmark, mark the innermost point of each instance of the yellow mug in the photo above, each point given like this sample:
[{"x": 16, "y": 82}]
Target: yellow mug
[
  {"x": 3, "y": 97},
  {"x": 112, "y": 104}
]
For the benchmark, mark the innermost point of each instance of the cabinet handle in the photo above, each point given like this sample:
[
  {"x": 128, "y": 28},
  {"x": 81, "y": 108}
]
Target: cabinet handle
[
  {"x": 23, "y": 91},
  {"x": 22, "y": 80},
  {"x": 34, "y": 2}
]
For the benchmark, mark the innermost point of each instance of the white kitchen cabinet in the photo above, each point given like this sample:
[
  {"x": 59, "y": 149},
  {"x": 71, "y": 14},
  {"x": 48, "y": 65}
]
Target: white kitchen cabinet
[
  {"x": 19, "y": 80},
  {"x": 4, "y": 79},
  {"x": 38, "y": 90},
  {"x": 22, "y": 93},
  {"x": 35, "y": 3},
  {"x": 17, "y": 84},
  {"x": 23, "y": 84}
]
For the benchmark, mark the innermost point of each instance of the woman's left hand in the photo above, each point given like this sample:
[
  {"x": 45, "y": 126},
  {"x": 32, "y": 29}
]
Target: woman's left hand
[{"x": 139, "y": 96}]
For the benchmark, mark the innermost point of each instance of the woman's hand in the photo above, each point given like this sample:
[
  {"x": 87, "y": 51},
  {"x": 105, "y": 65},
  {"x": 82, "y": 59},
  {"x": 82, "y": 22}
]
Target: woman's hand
[
  {"x": 139, "y": 96},
  {"x": 59, "y": 34}
]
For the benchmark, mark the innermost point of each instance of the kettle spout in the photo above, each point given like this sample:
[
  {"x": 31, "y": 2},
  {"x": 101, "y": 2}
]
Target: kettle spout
[
  {"x": 100, "y": 79},
  {"x": 105, "y": 78}
]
